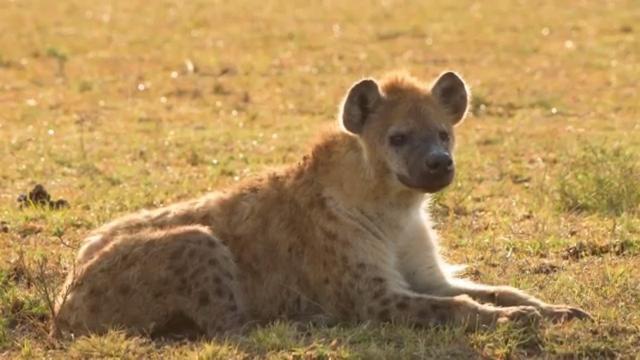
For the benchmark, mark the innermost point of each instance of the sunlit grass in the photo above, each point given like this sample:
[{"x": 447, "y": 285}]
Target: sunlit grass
[
  {"x": 125, "y": 105},
  {"x": 603, "y": 179}
]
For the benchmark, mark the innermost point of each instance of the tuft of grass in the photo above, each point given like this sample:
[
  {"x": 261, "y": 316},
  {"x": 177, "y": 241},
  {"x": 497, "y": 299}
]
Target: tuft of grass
[
  {"x": 61, "y": 59},
  {"x": 4, "y": 333},
  {"x": 603, "y": 180},
  {"x": 507, "y": 341},
  {"x": 214, "y": 351},
  {"x": 113, "y": 345},
  {"x": 275, "y": 337}
]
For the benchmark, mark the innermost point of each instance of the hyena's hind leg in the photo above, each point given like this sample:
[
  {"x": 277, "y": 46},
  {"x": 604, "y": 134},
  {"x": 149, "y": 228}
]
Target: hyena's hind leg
[
  {"x": 165, "y": 283},
  {"x": 143, "y": 221},
  {"x": 217, "y": 303}
]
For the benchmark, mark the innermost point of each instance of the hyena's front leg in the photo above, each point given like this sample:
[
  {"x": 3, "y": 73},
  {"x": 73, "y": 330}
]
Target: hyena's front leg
[
  {"x": 426, "y": 274},
  {"x": 380, "y": 296},
  {"x": 509, "y": 296}
]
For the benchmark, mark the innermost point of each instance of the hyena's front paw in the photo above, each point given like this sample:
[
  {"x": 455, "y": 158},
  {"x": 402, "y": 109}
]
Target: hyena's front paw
[
  {"x": 518, "y": 314},
  {"x": 489, "y": 316},
  {"x": 562, "y": 313}
]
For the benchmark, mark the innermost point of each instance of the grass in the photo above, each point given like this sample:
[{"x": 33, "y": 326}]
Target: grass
[
  {"x": 129, "y": 104},
  {"x": 602, "y": 179}
]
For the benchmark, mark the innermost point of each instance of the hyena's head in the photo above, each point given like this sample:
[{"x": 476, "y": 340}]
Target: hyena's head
[{"x": 407, "y": 128}]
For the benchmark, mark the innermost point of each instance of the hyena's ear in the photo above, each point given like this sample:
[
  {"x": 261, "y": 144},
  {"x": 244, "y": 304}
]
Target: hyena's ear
[
  {"x": 452, "y": 93},
  {"x": 360, "y": 102}
]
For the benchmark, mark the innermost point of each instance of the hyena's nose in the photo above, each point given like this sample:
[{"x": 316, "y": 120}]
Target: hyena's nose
[{"x": 439, "y": 162}]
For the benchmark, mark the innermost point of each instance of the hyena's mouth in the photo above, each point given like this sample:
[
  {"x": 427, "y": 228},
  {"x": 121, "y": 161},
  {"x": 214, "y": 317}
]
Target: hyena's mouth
[{"x": 427, "y": 183}]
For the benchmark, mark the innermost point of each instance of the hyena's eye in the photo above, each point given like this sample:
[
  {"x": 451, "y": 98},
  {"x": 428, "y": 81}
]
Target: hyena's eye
[
  {"x": 444, "y": 136},
  {"x": 397, "y": 139}
]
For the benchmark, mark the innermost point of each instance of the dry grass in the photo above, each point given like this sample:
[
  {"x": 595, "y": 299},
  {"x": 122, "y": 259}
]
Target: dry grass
[{"x": 128, "y": 104}]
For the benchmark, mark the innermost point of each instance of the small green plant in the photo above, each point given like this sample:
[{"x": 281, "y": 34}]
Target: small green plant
[
  {"x": 602, "y": 180},
  {"x": 4, "y": 332},
  {"x": 85, "y": 86},
  {"x": 60, "y": 57}
]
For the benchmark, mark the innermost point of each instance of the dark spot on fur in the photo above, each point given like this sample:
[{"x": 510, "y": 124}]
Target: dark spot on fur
[
  {"x": 217, "y": 280},
  {"x": 212, "y": 262},
  {"x": 442, "y": 317},
  {"x": 203, "y": 298},
  {"x": 378, "y": 294},
  {"x": 94, "y": 291},
  {"x": 423, "y": 314},
  {"x": 179, "y": 267},
  {"x": 378, "y": 280},
  {"x": 177, "y": 253},
  {"x": 329, "y": 234},
  {"x": 212, "y": 244},
  {"x": 218, "y": 329},
  {"x": 124, "y": 289},
  {"x": 349, "y": 304},
  {"x": 191, "y": 253},
  {"x": 401, "y": 305},
  {"x": 233, "y": 307},
  {"x": 184, "y": 286},
  {"x": 94, "y": 308},
  {"x": 384, "y": 315},
  {"x": 329, "y": 215},
  {"x": 282, "y": 309},
  {"x": 330, "y": 250},
  {"x": 385, "y": 301},
  {"x": 361, "y": 266},
  {"x": 327, "y": 280},
  {"x": 219, "y": 292}
]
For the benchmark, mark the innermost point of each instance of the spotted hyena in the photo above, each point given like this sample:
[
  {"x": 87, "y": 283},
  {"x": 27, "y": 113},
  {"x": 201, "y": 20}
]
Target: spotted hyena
[{"x": 341, "y": 234}]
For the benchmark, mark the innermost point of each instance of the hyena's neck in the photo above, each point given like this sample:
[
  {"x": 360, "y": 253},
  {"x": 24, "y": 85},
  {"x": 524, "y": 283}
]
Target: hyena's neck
[{"x": 343, "y": 168}]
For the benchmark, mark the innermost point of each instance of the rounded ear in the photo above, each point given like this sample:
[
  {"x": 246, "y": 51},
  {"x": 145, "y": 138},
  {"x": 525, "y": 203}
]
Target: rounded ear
[
  {"x": 452, "y": 93},
  {"x": 359, "y": 104}
]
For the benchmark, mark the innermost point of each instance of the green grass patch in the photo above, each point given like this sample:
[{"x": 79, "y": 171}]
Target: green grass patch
[{"x": 601, "y": 179}]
